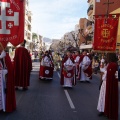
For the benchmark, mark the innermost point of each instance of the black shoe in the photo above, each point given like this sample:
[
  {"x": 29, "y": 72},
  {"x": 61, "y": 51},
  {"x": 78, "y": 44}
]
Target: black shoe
[
  {"x": 87, "y": 81},
  {"x": 25, "y": 88},
  {"x": 82, "y": 81},
  {"x": 16, "y": 88},
  {"x": 101, "y": 114}
]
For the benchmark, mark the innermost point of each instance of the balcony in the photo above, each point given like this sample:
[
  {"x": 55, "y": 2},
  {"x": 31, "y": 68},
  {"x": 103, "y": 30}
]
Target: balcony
[
  {"x": 89, "y": 25},
  {"x": 90, "y": 10},
  {"x": 29, "y": 19},
  {"x": 29, "y": 27}
]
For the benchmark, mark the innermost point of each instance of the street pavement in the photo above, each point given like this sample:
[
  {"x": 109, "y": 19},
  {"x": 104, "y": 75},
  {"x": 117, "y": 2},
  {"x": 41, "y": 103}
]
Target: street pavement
[{"x": 47, "y": 100}]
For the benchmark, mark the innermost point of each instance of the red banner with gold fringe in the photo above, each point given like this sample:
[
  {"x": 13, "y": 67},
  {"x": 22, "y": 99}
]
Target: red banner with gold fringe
[{"x": 105, "y": 34}]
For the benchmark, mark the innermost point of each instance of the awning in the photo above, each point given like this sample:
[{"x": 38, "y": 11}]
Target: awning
[{"x": 86, "y": 46}]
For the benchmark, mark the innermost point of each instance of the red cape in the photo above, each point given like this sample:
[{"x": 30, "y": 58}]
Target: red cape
[
  {"x": 10, "y": 92},
  {"x": 111, "y": 98},
  {"x": 62, "y": 75},
  {"x": 22, "y": 67}
]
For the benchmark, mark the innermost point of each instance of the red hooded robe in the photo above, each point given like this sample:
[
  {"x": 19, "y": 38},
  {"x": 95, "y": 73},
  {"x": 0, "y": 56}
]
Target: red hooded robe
[
  {"x": 10, "y": 89},
  {"x": 22, "y": 67},
  {"x": 111, "y": 98}
]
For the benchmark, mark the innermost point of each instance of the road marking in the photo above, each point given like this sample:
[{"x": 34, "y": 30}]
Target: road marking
[
  {"x": 68, "y": 96},
  {"x": 58, "y": 74},
  {"x": 69, "y": 99}
]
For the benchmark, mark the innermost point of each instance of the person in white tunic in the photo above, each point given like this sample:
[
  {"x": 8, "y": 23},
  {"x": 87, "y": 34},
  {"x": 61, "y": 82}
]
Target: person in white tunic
[
  {"x": 46, "y": 60},
  {"x": 84, "y": 64},
  {"x": 68, "y": 71},
  {"x": 3, "y": 72},
  {"x": 101, "y": 100}
]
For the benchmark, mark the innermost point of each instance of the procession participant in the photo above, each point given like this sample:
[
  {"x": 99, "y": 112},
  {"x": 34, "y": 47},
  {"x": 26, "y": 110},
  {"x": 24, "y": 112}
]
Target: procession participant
[
  {"x": 102, "y": 60},
  {"x": 22, "y": 67},
  {"x": 41, "y": 55},
  {"x": 77, "y": 63},
  {"x": 101, "y": 100},
  {"x": 68, "y": 77},
  {"x": 7, "y": 90},
  {"x": 47, "y": 60},
  {"x": 73, "y": 55},
  {"x": 111, "y": 97},
  {"x": 57, "y": 60},
  {"x": 86, "y": 68},
  {"x": 96, "y": 66},
  {"x": 46, "y": 67},
  {"x": 51, "y": 56}
]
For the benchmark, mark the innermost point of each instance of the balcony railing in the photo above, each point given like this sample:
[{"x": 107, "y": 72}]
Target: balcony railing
[{"x": 90, "y": 8}]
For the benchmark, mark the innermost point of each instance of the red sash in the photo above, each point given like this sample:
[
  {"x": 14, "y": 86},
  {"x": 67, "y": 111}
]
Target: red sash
[{"x": 88, "y": 72}]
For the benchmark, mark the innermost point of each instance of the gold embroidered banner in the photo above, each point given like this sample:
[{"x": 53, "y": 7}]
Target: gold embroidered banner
[{"x": 105, "y": 34}]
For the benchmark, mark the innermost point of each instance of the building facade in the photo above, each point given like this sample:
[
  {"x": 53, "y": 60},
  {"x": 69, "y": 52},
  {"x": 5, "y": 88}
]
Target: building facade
[
  {"x": 113, "y": 6},
  {"x": 28, "y": 26},
  {"x": 82, "y": 23}
]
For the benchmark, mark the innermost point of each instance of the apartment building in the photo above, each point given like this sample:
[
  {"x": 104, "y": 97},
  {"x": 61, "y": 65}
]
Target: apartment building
[
  {"x": 77, "y": 34},
  {"x": 85, "y": 38},
  {"x": 28, "y": 26},
  {"x": 82, "y": 23}
]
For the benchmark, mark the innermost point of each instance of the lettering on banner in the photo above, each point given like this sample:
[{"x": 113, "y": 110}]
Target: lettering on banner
[
  {"x": 107, "y": 25},
  {"x": 105, "y": 47},
  {"x": 108, "y": 40},
  {"x": 4, "y": 18},
  {"x": 8, "y": 38},
  {"x": 16, "y": 5}
]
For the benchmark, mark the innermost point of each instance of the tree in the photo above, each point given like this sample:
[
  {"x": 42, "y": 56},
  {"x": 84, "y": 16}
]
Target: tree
[
  {"x": 75, "y": 39},
  {"x": 34, "y": 36}
]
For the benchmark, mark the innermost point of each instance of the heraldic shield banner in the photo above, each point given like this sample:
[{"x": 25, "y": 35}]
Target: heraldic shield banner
[
  {"x": 105, "y": 34},
  {"x": 12, "y": 21}
]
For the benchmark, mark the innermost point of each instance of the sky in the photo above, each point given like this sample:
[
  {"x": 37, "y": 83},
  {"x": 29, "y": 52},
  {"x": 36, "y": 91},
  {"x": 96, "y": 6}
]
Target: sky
[{"x": 54, "y": 18}]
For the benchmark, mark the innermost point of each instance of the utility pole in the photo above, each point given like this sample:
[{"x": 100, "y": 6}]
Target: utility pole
[{"x": 108, "y": 4}]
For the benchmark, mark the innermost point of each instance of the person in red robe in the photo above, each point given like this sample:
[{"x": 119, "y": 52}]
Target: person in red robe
[
  {"x": 46, "y": 66},
  {"x": 22, "y": 67},
  {"x": 9, "y": 101},
  {"x": 73, "y": 55},
  {"x": 85, "y": 67},
  {"x": 111, "y": 97},
  {"x": 68, "y": 77},
  {"x": 10, "y": 87}
]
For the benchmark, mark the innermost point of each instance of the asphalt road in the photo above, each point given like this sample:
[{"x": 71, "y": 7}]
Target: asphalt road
[{"x": 47, "y": 100}]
